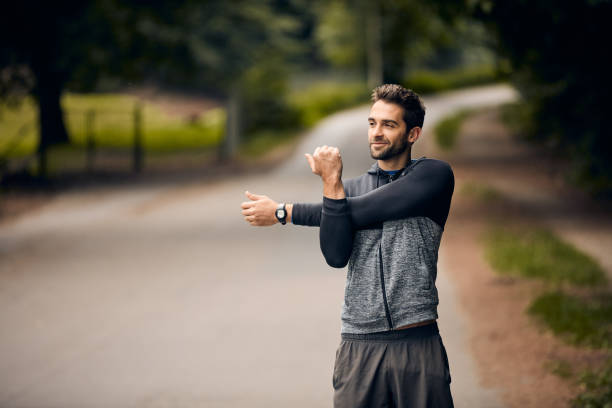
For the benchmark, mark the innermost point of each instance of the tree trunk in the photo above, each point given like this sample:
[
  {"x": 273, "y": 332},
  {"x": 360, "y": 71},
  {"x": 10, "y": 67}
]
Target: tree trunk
[
  {"x": 233, "y": 129},
  {"x": 374, "y": 45},
  {"x": 52, "y": 129}
]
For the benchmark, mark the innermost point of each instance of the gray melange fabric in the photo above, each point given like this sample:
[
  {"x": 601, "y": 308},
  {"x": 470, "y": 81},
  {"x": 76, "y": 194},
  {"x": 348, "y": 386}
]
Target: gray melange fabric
[
  {"x": 407, "y": 252},
  {"x": 388, "y": 231}
]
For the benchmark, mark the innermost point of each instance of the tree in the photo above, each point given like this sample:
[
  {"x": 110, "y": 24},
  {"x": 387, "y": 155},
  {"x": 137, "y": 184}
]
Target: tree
[
  {"x": 561, "y": 63},
  {"x": 202, "y": 44},
  {"x": 384, "y": 39}
]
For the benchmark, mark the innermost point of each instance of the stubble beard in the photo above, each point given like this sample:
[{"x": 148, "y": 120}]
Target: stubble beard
[{"x": 390, "y": 151}]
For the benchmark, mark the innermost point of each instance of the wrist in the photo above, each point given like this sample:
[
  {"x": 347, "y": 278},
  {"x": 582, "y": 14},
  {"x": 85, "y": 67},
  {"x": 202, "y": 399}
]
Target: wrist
[
  {"x": 289, "y": 209},
  {"x": 333, "y": 189},
  {"x": 281, "y": 213}
]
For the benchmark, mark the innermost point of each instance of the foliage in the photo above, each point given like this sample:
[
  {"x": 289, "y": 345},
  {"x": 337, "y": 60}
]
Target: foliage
[
  {"x": 405, "y": 34},
  {"x": 579, "y": 321},
  {"x": 321, "y": 99},
  {"x": 208, "y": 46},
  {"x": 428, "y": 81},
  {"x": 264, "y": 98},
  {"x": 563, "y": 74},
  {"x": 447, "y": 129},
  {"x": 541, "y": 254},
  {"x": 483, "y": 192},
  {"x": 597, "y": 388},
  {"x": 262, "y": 142}
]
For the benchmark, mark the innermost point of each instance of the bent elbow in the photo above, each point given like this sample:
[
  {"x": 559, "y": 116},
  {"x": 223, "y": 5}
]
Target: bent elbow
[{"x": 337, "y": 261}]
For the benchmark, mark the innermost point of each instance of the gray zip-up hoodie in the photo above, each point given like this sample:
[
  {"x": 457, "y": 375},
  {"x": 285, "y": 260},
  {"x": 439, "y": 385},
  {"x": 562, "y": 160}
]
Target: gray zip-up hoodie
[{"x": 388, "y": 230}]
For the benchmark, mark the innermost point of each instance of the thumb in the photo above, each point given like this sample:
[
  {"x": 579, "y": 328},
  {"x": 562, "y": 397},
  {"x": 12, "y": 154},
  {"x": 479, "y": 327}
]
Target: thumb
[
  {"x": 310, "y": 161},
  {"x": 253, "y": 196}
]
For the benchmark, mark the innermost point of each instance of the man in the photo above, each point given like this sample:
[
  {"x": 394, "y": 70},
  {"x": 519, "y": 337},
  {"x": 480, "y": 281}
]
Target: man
[{"x": 387, "y": 225}]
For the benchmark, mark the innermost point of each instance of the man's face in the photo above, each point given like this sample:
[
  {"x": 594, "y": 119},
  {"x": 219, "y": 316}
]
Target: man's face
[{"x": 387, "y": 130}]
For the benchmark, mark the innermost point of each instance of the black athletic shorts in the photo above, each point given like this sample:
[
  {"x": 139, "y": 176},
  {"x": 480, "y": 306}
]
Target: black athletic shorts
[{"x": 402, "y": 368}]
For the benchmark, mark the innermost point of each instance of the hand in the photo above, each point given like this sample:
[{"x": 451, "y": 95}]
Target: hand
[
  {"x": 326, "y": 162},
  {"x": 261, "y": 211}
]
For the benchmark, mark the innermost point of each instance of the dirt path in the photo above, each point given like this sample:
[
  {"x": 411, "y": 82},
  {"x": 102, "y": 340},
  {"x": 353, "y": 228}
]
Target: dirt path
[{"x": 514, "y": 355}]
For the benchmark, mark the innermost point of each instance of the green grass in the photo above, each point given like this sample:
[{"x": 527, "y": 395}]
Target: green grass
[
  {"x": 560, "y": 368},
  {"x": 541, "y": 254},
  {"x": 114, "y": 123},
  {"x": 579, "y": 321},
  {"x": 447, "y": 129},
  {"x": 596, "y": 388}
]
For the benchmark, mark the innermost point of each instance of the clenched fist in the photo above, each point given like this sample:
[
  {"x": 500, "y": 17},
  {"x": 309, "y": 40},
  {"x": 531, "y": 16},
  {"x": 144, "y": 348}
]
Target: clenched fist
[{"x": 326, "y": 162}]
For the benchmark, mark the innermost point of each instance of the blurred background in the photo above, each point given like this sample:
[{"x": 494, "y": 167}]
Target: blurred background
[{"x": 129, "y": 131}]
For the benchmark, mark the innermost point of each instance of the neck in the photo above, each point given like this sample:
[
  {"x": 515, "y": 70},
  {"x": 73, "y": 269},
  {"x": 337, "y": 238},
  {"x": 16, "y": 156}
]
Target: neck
[{"x": 395, "y": 163}]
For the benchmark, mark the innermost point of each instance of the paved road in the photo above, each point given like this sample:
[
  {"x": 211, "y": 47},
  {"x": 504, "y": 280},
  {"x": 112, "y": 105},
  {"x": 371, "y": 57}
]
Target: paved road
[{"x": 162, "y": 296}]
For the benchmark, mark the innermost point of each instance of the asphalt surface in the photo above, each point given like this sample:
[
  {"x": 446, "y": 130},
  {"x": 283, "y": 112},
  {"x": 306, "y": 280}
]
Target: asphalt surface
[{"x": 163, "y": 296}]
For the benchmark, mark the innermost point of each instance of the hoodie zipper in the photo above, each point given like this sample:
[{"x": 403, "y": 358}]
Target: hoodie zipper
[
  {"x": 382, "y": 272},
  {"x": 384, "y": 292}
]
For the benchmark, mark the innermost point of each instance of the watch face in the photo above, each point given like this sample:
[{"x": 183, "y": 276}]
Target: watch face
[{"x": 280, "y": 213}]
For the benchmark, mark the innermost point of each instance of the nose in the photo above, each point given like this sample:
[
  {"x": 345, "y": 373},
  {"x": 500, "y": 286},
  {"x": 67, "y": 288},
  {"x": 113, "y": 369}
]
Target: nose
[{"x": 377, "y": 130}]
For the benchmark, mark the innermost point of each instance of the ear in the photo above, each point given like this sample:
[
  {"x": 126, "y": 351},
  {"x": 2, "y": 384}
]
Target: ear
[{"x": 414, "y": 134}]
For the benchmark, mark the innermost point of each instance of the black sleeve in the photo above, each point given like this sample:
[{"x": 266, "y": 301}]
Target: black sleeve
[
  {"x": 310, "y": 213},
  {"x": 336, "y": 232},
  {"x": 426, "y": 190},
  {"x": 306, "y": 214},
  {"x": 411, "y": 195}
]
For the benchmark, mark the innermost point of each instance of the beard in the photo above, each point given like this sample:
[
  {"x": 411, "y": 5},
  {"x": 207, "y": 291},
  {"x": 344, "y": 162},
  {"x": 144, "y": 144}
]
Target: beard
[{"x": 391, "y": 150}]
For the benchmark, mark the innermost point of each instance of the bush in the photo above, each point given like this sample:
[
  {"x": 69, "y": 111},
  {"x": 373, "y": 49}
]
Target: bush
[
  {"x": 322, "y": 99},
  {"x": 424, "y": 82},
  {"x": 447, "y": 129}
]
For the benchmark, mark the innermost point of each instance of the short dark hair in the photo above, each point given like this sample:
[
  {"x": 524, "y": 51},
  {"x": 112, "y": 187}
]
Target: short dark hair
[{"x": 414, "y": 110}]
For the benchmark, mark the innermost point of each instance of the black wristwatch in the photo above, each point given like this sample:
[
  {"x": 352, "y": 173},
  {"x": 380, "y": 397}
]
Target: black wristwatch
[{"x": 281, "y": 213}]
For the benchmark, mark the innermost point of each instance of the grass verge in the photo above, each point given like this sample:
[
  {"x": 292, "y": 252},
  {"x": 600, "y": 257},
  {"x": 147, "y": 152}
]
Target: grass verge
[
  {"x": 541, "y": 254},
  {"x": 596, "y": 388},
  {"x": 579, "y": 321},
  {"x": 447, "y": 129},
  {"x": 580, "y": 315}
]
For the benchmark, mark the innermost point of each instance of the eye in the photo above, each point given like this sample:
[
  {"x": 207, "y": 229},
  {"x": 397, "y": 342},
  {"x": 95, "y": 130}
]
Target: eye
[{"x": 371, "y": 123}]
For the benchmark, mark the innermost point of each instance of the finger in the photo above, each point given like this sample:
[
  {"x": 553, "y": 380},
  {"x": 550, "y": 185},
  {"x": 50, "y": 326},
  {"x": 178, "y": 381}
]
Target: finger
[
  {"x": 253, "y": 196},
  {"x": 247, "y": 204},
  {"x": 248, "y": 212},
  {"x": 310, "y": 161}
]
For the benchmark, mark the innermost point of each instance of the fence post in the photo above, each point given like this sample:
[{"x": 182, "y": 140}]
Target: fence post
[
  {"x": 90, "y": 116},
  {"x": 137, "y": 149}
]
